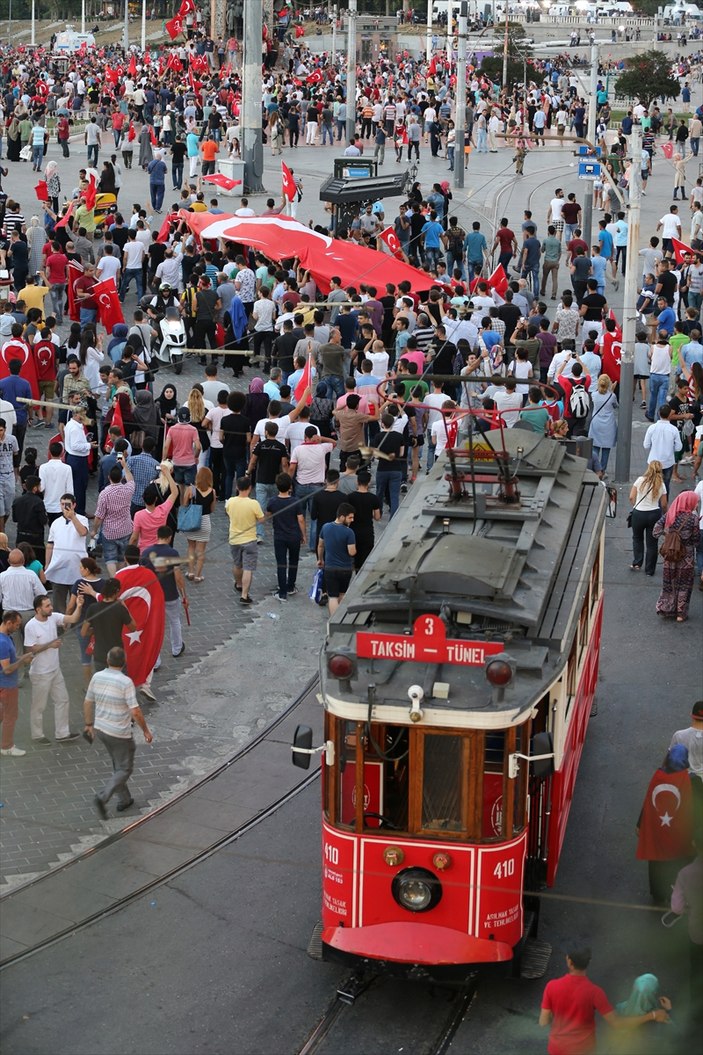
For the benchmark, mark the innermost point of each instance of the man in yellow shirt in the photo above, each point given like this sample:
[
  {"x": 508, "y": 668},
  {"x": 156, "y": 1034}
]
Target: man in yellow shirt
[
  {"x": 243, "y": 512},
  {"x": 33, "y": 294}
]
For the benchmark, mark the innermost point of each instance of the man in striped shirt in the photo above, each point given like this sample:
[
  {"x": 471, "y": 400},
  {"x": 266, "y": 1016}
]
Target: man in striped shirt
[
  {"x": 109, "y": 709},
  {"x": 113, "y": 514}
]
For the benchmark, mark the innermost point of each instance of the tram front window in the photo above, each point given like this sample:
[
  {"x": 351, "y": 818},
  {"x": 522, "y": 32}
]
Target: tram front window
[
  {"x": 442, "y": 783},
  {"x": 386, "y": 759}
]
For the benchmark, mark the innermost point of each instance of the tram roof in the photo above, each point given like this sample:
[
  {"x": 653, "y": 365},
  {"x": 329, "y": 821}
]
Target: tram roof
[{"x": 506, "y": 563}]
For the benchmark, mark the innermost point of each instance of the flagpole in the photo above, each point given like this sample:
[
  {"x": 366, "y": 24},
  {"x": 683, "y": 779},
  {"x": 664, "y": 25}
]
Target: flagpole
[
  {"x": 83, "y": 16},
  {"x": 34, "y": 38},
  {"x": 351, "y": 70},
  {"x": 252, "y": 137},
  {"x": 125, "y": 31},
  {"x": 143, "y": 26}
]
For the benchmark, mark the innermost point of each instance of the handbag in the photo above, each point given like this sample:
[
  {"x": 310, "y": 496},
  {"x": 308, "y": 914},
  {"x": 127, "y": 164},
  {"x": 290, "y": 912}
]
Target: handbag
[{"x": 190, "y": 517}]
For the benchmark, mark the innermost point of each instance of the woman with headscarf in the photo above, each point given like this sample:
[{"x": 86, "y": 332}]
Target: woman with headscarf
[
  {"x": 257, "y": 404},
  {"x": 644, "y": 998},
  {"x": 14, "y": 142},
  {"x": 106, "y": 183},
  {"x": 36, "y": 240},
  {"x": 665, "y": 825},
  {"x": 146, "y": 154},
  {"x": 167, "y": 409},
  {"x": 117, "y": 342},
  {"x": 321, "y": 410},
  {"x": 145, "y": 419},
  {"x": 681, "y": 531},
  {"x": 53, "y": 184}
]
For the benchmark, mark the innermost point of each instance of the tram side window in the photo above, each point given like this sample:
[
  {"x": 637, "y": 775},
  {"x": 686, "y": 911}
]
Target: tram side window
[
  {"x": 346, "y": 787},
  {"x": 492, "y": 803},
  {"x": 442, "y": 783},
  {"x": 595, "y": 581}
]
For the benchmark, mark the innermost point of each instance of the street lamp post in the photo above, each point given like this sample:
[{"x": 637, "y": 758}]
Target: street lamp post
[
  {"x": 351, "y": 70},
  {"x": 592, "y": 106},
  {"x": 34, "y": 37},
  {"x": 125, "y": 29},
  {"x": 428, "y": 33},
  {"x": 460, "y": 116},
  {"x": 629, "y": 313},
  {"x": 252, "y": 132},
  {"x": 143, "y": 26}
]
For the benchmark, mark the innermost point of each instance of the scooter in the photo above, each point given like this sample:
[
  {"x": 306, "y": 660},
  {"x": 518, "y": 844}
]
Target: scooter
[{"x": 173, "y": 340}]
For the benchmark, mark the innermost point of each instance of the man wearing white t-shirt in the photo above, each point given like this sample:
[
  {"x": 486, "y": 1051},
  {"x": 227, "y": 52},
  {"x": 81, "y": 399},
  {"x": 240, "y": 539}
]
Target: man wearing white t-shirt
[
  {"x": 308, "y": 466},
  {"x": 42, "y": 640},
  {"x": 670, "y": 227},
  {"x": 554, "y": 213},
  {"x": 65, "y": 548},
  {"x": 108, "y": 266},
  {"x": 508, "y": 401}
]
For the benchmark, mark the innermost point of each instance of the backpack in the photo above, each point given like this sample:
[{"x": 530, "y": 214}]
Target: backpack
[
  {"x": 579, "y": 403},
  {"x": 672, "y": 548}
]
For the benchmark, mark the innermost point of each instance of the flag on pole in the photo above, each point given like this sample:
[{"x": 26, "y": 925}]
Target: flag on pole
[
  {"x": 109, "y": 307},
  {"x": 680, "y": 248},
  {"x": 174, "y": 27},
  {"x": 390, "y": 238},
  {"x": 668, "y": 150},
  {"x": 289, "y": 188},
  {"x": 75, "y": 271},
  {"x": 314, "y": 78},
  {"x": 220, "y": 180},
  {"x": 132, "y": 68},
  {"x": 304, "y": 382},
  {"x": 66, "y": 216},
  {"x": 186, "y": 8},
  {"x": 90, "y": 194}
]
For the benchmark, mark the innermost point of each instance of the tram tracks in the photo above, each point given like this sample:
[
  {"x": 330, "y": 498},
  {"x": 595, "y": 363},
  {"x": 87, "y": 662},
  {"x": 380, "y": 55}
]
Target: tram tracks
[
  {"x": 339, "y": 1015},
  {"x": 190, "y": 859}
]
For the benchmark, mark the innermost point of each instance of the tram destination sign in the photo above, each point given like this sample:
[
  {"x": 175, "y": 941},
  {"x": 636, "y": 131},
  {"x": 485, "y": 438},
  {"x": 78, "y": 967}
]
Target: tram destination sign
[{"x": 428, "y": 643}]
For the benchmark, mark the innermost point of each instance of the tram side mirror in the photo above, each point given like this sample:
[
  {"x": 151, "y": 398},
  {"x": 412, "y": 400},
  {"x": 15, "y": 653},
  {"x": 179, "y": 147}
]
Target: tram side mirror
[
  {"x": 542, "y": 755},
  {"x": 302, "y": 746}
]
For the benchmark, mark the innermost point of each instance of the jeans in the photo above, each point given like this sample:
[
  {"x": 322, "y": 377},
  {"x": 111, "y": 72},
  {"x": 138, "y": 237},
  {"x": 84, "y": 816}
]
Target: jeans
[
  {"x": 79, "y": 467},
  {"x": 264, "y": 493},
  {"x": 695, "y": 143},
  {"x": 175, "y": 629},
  {"x": 695, "y": 300},
  {"x": 335, "y": 386},
  {"x": 303, "y": 495},
  {"x": 482, "y": 141},
  {"x": 87, "y": 315},
  {"x": 93, "y": 154},
  {"x": 129, "y": 274},
  {"x": 504, "y": 261},
  {"x": 58, "y": 294},
  {"x": 37, "y": 157},
  {"x": 121, "y": 752},
  {"x": 602, "y": 454},
  {"x": 454, "y": 262},
  {"x": 432, "y": 255},
  {"x": 450, "y": 158},
  {"x": 234, "y": 468},
  {"x": 117, "y": 136},
  {"x": 666, "y": 476},
  {"x": 44, "y": 686},
  {"x": 287, "y": 557},
  {"x": 531, "y": 276},
  {"x": 327, "y": 132},
  {"x": 643, "y": 522},
  {"x": 569, "y": 229},
  {"x": 431, "y": 449},
  {"x": 658, "y": 388},
  {"x": 177, "y": 175},
  {"x": 388, "y": 486},
  {"x": 156, "y": 191}
]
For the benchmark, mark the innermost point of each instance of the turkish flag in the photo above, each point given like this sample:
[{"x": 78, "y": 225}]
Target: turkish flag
[
  {"x": 498, "y": 281},
  {"x": 666, "y": 823},
  {"x": 668, "y": 150},
  {"x": 142, "y": 594},
  {"x": 186, "y": 8},
  {"x": 42, "y": 191},
  {"x": 165, "y": 229},
  {"x": 90, "y": 194},
  {"x": 314, "y": 78},
  {"x": 391, "y": 239},
  {"x": 109, "y": 307},
  {"x": 132, "y": 68},
  {"x": 111, "y": 75},
  {"x": 174, "y": 63},
  {"x": 66, "y": 216},
  {"x": 432, "y": 68},
  {"x": 75, "y": 271},
  {"x": 147, "y": 59},
  {"x": 174, "y": 27},
  {"x": 42, "y": 88},
  {"x": 305, "y": 381},
  {"x": 289, "y": 188},
  {"x": 220, "y": 180},
  {"x": 152, "y": 136},
  {"x": 680, "y": 248},
  {"x": 131, "y": 133},
  {"x": 18, "y": 349}
]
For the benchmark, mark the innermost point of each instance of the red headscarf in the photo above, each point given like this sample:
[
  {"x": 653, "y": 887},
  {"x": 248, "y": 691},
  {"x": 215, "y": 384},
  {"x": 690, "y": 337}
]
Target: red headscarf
[{"x": 687, "y": 502}]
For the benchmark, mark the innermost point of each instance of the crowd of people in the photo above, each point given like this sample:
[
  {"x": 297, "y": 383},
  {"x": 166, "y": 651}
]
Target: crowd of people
[{"x": 346, "y": 402}]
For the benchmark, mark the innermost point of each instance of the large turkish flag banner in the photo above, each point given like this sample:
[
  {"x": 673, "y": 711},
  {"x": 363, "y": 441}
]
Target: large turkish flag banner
[{"x": 142, "y": 594}]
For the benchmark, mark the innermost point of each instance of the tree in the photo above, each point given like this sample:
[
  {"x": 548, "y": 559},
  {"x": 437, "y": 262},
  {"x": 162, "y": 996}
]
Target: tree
[{"x": 648, "y": 77}]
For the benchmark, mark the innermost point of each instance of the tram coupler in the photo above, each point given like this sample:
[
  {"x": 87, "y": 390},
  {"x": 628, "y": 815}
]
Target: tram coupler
[{"x": 354, "y": 986}]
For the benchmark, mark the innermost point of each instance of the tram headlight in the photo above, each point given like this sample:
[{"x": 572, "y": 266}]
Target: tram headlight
[
  {"x": 416, "y": 889},
  {"x": 340, "y": 667},
  {"x": 500, "y": 670}
]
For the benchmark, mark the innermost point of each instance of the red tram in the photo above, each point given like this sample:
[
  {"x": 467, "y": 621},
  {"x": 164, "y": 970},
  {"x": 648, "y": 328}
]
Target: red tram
[{"x": 457, "y": 681}]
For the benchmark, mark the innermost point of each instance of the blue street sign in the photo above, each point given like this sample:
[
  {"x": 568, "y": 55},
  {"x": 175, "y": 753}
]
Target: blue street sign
[{"x": 589, "y": 170}]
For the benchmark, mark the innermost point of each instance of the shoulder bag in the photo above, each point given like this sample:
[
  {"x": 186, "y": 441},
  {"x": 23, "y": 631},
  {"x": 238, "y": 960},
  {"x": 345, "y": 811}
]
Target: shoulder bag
[
  {"x": 190, "y": 517},
  {"x": 672, "y": 548},
  {"x": 629, "y": 515}
]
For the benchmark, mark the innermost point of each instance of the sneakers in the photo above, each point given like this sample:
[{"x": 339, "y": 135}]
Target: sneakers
[
  {"x": 237, "y": 589},
  {"x": 278, "y": 596},
  {"x": 43, "y": 740},
  {"x": 13, "y": 751},
  {"x": 245, "y": 600},
  {"x": 68, "y": 739},
  {"x": 180, "y": 652},
  {"x": 100, "y": 807},
  {"x": 292, "y": 590},
  {"x": 146, "y": 691}
]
